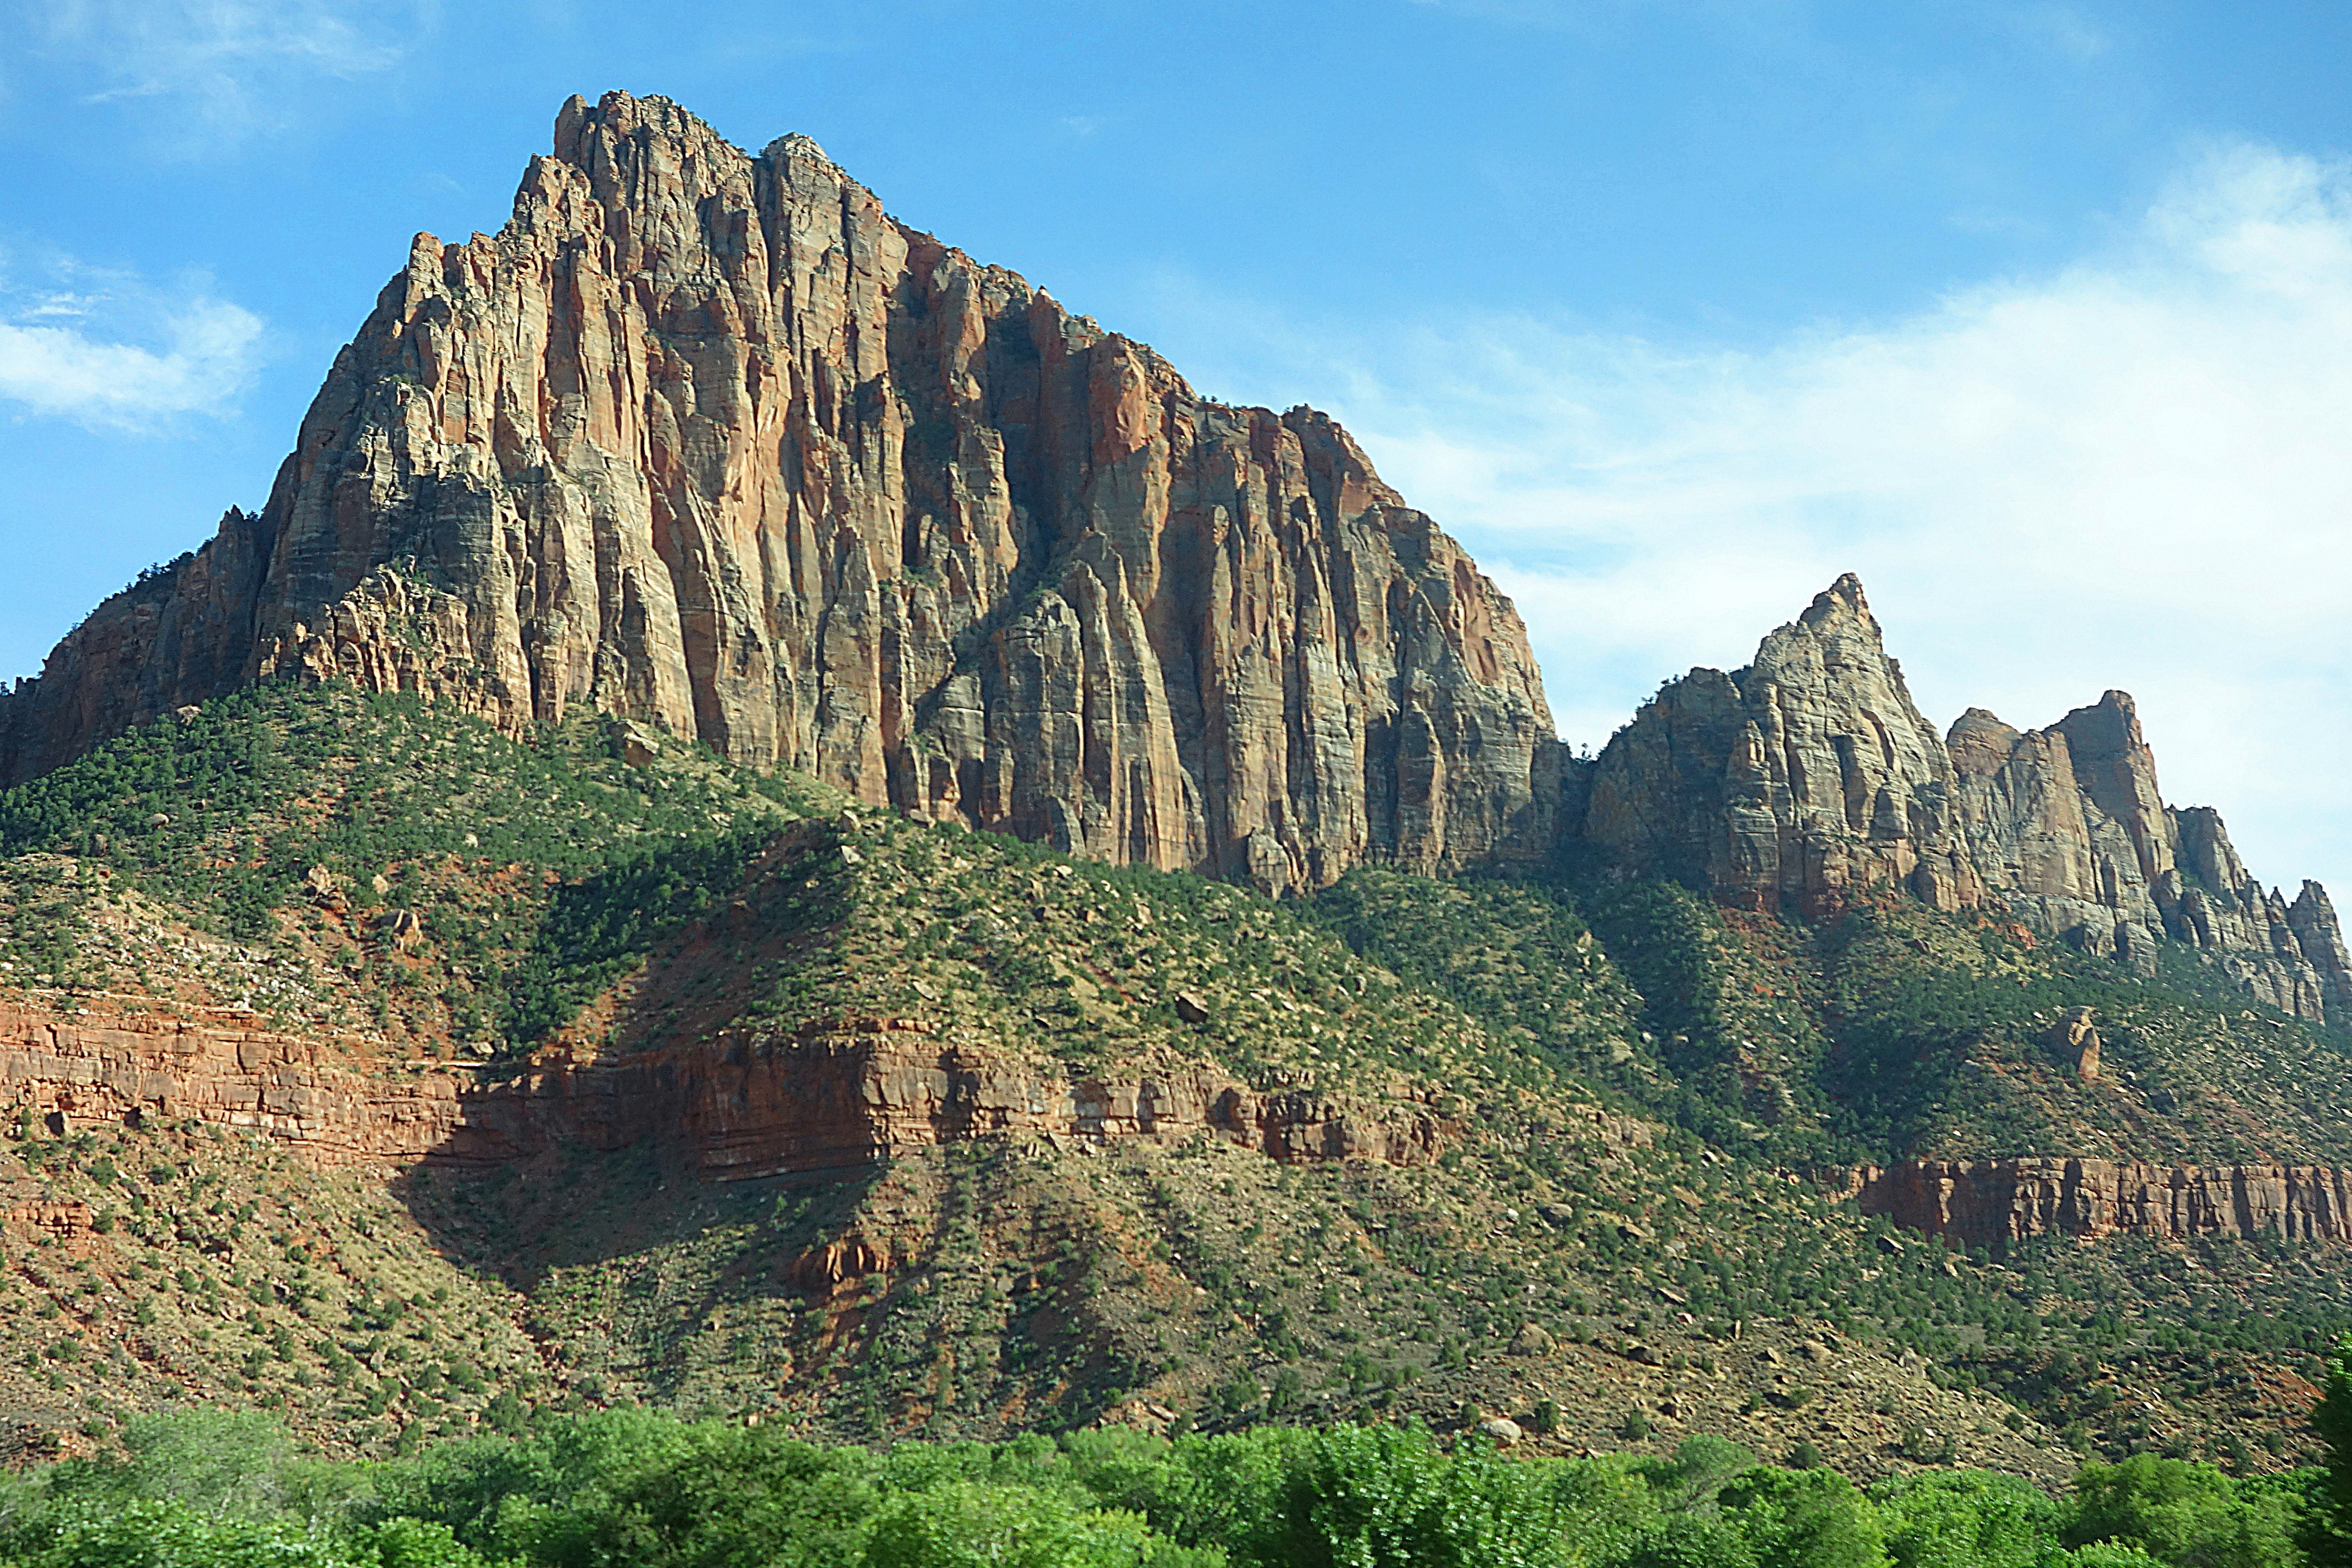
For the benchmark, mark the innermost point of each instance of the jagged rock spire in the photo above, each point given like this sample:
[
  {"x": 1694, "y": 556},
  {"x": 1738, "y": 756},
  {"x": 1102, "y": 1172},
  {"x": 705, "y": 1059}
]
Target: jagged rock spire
[
  {"x": 1790, "y": 785},
  {"x": 1811, "y": 777}
]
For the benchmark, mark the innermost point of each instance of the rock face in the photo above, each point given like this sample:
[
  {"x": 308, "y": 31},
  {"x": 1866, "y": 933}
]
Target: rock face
[
  {"x": 1809, "y": 779},
  {"x": 2067, "y": 827},
  {"x": 743, "y": 1106},
  {"x": 1791, "y": 785},
  {"x": 711, "y": 441},
  {"x": 1988, "y": 1202}
]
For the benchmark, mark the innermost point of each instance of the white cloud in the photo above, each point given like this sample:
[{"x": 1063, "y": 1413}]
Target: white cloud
[
  {"x": 2136, "y": 471},
  {"x": 234, "y": 64},
  {"x": 115, "y": 353}
]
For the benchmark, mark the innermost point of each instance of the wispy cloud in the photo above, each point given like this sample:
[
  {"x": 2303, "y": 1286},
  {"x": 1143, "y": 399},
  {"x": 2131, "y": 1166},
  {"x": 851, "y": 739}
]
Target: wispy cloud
[
  {"x": 230, "y": 65},
  {"x": 2133, "y": 471},
  {"x": 2065, "y": 30},
  {"x": 108, "y": 349}
]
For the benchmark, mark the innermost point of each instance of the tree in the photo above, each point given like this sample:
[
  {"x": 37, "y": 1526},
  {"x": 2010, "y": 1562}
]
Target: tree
[
  {"x": 1377, "y": 1497},
  {"x": 968, "y": 1524},
  {"x": 2328, "y": 1527},
  {"x": 2187, "y": 1514},
  {"x": 1967, "y": 1519},
  {"x": 1805, "y": 1519}
]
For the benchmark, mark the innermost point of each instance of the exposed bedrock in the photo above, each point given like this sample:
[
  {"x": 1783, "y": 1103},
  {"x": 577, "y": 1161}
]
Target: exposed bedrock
[
  {"x": 741, "y": 1105},
  {"x": 712, "y": 440},
  {"x": 1985, "y": 1203},
  {"x": 1809, "y": 779}
]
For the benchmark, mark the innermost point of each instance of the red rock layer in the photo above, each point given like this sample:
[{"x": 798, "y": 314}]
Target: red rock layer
[
  {"x": 713, "y": 440},
  {"x": 1988, "y": 1202},
  {"x": 740, "y": 1107}
]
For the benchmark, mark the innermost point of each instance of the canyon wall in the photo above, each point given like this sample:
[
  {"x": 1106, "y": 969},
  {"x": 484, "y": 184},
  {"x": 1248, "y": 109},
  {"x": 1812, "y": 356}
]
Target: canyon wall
[
  {"x": 711, "y": 441},
  {"x": 1794, "y": 784},
  {"x": 1809, "y": 779}
]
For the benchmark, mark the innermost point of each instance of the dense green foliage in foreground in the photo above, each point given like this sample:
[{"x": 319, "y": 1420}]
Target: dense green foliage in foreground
[{"x": 631, "y": 1487}]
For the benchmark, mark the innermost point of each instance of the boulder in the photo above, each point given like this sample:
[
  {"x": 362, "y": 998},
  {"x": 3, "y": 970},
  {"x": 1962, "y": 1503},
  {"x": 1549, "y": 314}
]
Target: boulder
[{"x": 1532, "y": 1339}]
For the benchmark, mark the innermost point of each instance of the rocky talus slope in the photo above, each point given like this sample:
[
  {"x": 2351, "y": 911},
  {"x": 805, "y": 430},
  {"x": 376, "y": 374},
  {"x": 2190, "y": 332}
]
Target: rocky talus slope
[
  {"x": 405, "y": 1074},
  {"x": 710, "y": 439},
  {"x": 560, "y": 1078}
]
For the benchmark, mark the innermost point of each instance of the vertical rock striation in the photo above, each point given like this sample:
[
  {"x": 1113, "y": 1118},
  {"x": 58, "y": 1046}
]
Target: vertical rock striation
[
  {"x": 1988, "y": 1203},
  {"x": 2066, "y": 825},
  {"x": 712, "y": 440},
  {"x": 1791, "y": 785},
  {"x": 1809, "y": 778}
]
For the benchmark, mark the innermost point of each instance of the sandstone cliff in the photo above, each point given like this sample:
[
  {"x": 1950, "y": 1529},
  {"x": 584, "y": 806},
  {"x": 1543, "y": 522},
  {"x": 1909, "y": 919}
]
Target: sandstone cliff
[
  {"x": 712, "y": 440},
  {"x": 2066, "y": 824},
  {"x": 1988, "y": 1202},
  {"x": 1790, "y": 785},
  {"x": 1810, "y": 778},
  {"x": 748, "y": 1104}
]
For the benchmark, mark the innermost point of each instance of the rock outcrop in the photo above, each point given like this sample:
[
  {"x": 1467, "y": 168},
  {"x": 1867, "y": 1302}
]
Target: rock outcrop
[
  {"x": 711, "y": 441},
  {"x": 1809, "y": 779},
  {"x": 1986, "y": 1203},
  {"x": 1794, "y": 784},
  {"x": 2067, "y": 827},
  {"x": 744, "y": 1105}
]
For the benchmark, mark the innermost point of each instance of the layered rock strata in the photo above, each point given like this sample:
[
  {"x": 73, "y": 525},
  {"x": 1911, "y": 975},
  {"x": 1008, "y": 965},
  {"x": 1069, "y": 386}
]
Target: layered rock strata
[
  {"x": 1989, "y": 1202},
  {"x": 327, "y": 1101},
  {"x": 2068, "y": 827},
  {"x": 712, "y": 440},
  {"x": 743, "y": 1106}
]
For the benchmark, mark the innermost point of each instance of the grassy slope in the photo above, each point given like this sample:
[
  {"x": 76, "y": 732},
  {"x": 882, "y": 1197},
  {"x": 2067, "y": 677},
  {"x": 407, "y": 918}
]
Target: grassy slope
[
  {"x": 1900, "y": 1032},
  {"x": 1627, "y": 1093}
]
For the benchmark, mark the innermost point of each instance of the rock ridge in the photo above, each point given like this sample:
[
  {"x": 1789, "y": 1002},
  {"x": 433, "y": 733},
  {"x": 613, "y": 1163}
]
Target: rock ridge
[
  {"x": 1810, "y": 780},
  {"x": 1796, "y": 784}
]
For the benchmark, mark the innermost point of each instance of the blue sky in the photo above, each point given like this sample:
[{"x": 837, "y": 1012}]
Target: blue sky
[{"x": 2038, "y": 315}]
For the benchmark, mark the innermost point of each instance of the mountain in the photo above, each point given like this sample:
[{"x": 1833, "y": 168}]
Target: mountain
[
  {"x": 766, "y": 824},
  {"x": 711, "y": 441},
  {"x": 1810, "y": 780}
]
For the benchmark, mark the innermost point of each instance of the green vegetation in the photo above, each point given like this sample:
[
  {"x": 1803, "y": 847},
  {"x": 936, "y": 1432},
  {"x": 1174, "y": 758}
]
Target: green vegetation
[
  {"x": 634, "y": 1488},
  {"x": 323, "y": 858},
  {"x": 1611, "y": 1127}
]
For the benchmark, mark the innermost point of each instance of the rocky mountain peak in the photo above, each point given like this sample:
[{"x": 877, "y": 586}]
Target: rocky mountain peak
[
  {"x": 1795, "y": 784},
  {"x": 1810, "y": 778},
  {"x": 714, "y": 442},
  {"x": 1978, "y": 742},
  {"x": 1842, "y": 601}
]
